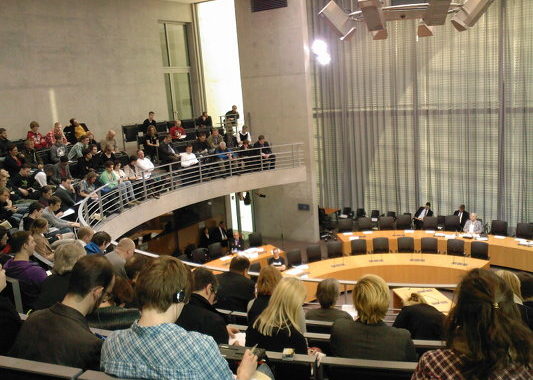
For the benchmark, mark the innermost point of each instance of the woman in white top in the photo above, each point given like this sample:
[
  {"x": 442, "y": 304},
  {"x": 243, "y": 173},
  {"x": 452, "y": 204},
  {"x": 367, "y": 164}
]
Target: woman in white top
[
  {"x": 243, "y": 135},
  {"x": 472, "y": 225}
]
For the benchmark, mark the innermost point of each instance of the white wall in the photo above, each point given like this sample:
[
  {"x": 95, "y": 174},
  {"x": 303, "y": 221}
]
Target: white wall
[{"x": 98, "y": 60}]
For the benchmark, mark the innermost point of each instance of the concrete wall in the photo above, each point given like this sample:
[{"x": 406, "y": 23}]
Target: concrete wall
[
  {"x": 98, "y": 60},
  {"x": 275, "y": 74}
]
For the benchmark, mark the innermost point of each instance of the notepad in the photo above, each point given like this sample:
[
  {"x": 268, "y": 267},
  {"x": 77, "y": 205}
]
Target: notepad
[{"x": 239, "y": 339}]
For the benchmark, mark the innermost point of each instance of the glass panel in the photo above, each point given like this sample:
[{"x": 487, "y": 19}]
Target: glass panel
[
  {"x": 164, "y": 49},
  {"x": 168, "y": 90},
  {"x": 181, "y": 86},
  {"x": 177, "y": 45}
]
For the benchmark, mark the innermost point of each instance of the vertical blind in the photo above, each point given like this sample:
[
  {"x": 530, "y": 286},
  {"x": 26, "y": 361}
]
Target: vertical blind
[{"x": 446, "y": 119}]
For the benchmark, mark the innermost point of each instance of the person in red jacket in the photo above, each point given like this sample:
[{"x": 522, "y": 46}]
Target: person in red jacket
[
  {"x": 35, "y": 135},
  {"x": 177, "y": 132}
]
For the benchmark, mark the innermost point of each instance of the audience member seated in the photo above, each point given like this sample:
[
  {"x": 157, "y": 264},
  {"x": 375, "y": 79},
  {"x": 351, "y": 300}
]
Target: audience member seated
[
  {"x": 204, "y": 121},
  {"x": 58, "y": 149},
  {"x": 4, "y": 142},
  {"x": 189, "y": 163},
  {"x": 62, "y": 170},
  {"x": 9, "y": 318},
  {"x": 231, "y": 141},
  {"x": 118, "y": 257},
  {"x": 56, "y": 135},
  {"x": 214, "y": 139},
  {"x": 46, "y": 195},
  {"x": 29, "y": 153},
  {"x": 8, "y": 211},
  {"x": 205, "y": 238},
  {"x": 20, "y": 267},
  {"x": 485, "y": 337},
  {"x": 327, "y": 294},
  {"x": 420, "y": 214},
  {"x": 199, "y": 314},
  {"x": 167, "y": 154},
  {"x": 85, "y": 235},
  {"x": 155, "y": 347},
  {"x": 513, "y": 282},
  {"x": 268, "y": 279},
  {"x": 49, "y": 213},
  {"x": 112, "y": 314},
  {"x": 106, "y": 155},
  {"x": 144, "y": 164},
  {"x": 151, "y": 142},
  {"x": 65, "y": 191},
  {"x": 77, "y": 150},
  {"x": 235, "y": 289},
  {"x": 13, "y": 162},
  {"x": 244, "y": 135},
  {"x": 220, "y": 234},
  {"x": 112, "y": 182},
  {"x": 54, "y": 288},
  {"x": 247, "y": 154},
  {"x": 236, "y": 242},
  {"x": 63, "y": 334},
  {"x": 38, "y": 228},
  {"x": 35, "y": 211},
  {"x": 131, "y": 170},
  {"x": 85, "y": 164},
  {"x": 39, "y": 176},
  {"x": 68, "y": 131},
  {"x": 277, "y": 261},
  {"x": 422, "y": 320},
  {"x": 201, "y": 146},
  {"x": 278, "y": 326},
  {"x": 109, "y": 141},
  {"x": 148, "y": 122},
  {"x": 87, "y": 186},
  {"x": 268, "y": 159},
  {"x": 99, "y": 243},
  {"x": 92, "y": 141},
  {"x": 79, "y": 130},
  {"x": 36, "y": 136},
  {"x": 226, "y": 158},
  {"x": 369, "y": 337},
  {"x": 5, "y": 247},
  {"x": 23, "y": 183},
  {"x": 176, "y": 131},
  {"x": 472, "y": 225},
  {"x": 231, "y": 117}
]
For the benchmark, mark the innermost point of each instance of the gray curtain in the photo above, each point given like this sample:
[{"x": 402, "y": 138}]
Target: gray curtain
[{"x": 446, "y": 119}]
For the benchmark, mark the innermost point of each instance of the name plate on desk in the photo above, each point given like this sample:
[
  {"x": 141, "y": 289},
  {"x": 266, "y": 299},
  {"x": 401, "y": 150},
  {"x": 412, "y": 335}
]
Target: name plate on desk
[
  {"x": 367, "y": 232},
  {"x": 354, "y": 238},
  {"x": 499, "y": 237},
  {"x": 430, "y": 231},
  {"x": 409, "y": 231}
]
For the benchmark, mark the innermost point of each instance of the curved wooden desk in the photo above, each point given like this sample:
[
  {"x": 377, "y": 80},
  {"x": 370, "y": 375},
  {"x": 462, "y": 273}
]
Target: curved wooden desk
[
  {"x": 502, "y": 252},
  {"x": 261, "y": 258},
  {"x": 393, "y": 267}
]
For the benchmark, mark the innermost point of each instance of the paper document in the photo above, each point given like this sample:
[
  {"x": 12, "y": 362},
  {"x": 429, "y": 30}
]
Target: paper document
[
  {"x": 226, "y": 258},
  {"x": 68, "y": 212},
  {"x": 499, "y": 237},
  {"x": 350, "y": 310},
  {"x": 239, "y": 339}
]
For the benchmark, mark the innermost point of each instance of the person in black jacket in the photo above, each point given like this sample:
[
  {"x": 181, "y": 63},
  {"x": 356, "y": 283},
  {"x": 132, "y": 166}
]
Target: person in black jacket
[
  {"x": 463, "y": 216},
  {"x": 268, "y": 279},
  {"x": 420, "y": 214},
  {"x": 66, "y": 193},
  {"x": 205, "y": 238},
  {"x": 84, "y": 164},
  {"x": 268, "y": 160},
  {"x": 235, "y": 290},
  {"x": 421, "y": 319},
  {"x": 4, "y": 142},
  {"x": 236, "y": 242},
  {"x": 13, "y": 162},
  {"x": 9, "y": 319},
  {"x": 199, "y": 314}
]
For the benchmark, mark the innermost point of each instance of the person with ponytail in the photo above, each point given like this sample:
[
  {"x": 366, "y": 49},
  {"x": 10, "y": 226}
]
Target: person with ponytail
[{"x": 485, "y": 337}]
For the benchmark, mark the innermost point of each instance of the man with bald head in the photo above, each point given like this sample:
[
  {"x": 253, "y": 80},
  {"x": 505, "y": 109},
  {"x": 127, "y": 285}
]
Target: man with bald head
[{"x": 123, "y": 251}]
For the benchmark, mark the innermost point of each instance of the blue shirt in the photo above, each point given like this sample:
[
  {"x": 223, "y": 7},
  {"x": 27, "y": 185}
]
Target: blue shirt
[
  {"x": 91, "y": 248},
  {"x": 165, "y": 351}
]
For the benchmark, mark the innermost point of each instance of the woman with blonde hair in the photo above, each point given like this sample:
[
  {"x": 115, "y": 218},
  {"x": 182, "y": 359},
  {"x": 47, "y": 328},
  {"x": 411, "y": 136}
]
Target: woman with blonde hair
[
  {"x": 513, "y": 282},
  {"x": 42, "y": 246},
  {"x": 268, "y": 279},
  {"x": 279, "y": 326},
  {"x": 368, "y": 337}
]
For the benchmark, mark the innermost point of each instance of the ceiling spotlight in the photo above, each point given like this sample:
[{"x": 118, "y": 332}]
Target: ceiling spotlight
[
  {"x": 469, "y": 13},
  {"x": 339, "y": 19},
  {"x": 324, "y": 59},
  {"x": 319, "y": 47},
  {"x": 424, "y": 30}
]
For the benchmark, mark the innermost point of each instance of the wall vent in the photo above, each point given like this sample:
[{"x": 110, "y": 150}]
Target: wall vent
[{"x": 265, "y": 5}]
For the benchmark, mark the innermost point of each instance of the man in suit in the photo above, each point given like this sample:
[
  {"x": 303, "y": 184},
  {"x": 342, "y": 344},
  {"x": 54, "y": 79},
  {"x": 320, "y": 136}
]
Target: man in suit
[
  {"x": 463, "y": 215},
  {"x": 167, "y": 154},
  {"x": 237, "y": 243},
  {"x": 472, "y": 225},
  {"x": 422, "y": 212},
  {"x": 235, "y": 290},
  {"x": 66, "y": 193},
  {"x": 263, "y": 150},
  {"x": 199, "y": 314},
  {"x": 220, "y": 234}
]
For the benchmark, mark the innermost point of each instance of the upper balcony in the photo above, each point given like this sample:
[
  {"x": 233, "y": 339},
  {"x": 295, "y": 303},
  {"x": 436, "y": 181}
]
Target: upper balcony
[{"x": 169, "y": 187}]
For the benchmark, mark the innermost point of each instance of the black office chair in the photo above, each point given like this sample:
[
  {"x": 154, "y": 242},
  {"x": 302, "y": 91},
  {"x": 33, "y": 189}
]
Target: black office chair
[
  {"x": 479, "y": 250},
  {"x": 406, "y": 244},
  {"x": 391, "y": 213},
  {"x": 364, "y": 224},
  {"x": 255, "y": 239},
  {"x": 451, "y": 223},
  {"x": 381, "y": 245},
  {"x": 345, "y": 225},
  {"x": 361, "y": 213},
  {"x": 455, "y": 247},
  {"x": 404, "y": 222},
  {"x": 429, "y": 245},
  {"x": 441, "y": 220},
  {"x": 374, "y": 214},
  {"x": 348, "y": 212},
  {"x": 498, "y": 227},
  {"x": 215, "y": 250},
  {"x": 200, "y": 255},
  {"x": 358, "y": 247},
  {"x": 386, "y": 223},
  {"x": 255, "y": 267},
  {"x": 524, "y": 231},
  {"x": 334, "y": 248},
  {"x": 429, "y": 223},
  {"x": 313, "y": 253},
  {"x": 294, "y": 258}
]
